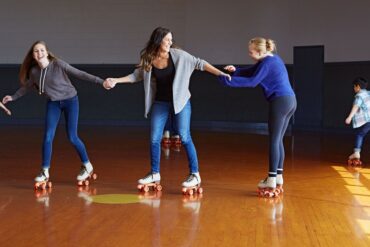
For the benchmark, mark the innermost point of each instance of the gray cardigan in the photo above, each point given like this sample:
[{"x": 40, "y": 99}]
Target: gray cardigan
[
  {"x": 54, "y": 82},
  {"x": 184, "y": 65}
]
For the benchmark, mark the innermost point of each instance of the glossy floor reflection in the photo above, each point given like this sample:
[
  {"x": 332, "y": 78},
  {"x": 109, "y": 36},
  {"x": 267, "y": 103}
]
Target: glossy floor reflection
[{"x": 325, "y": 203}]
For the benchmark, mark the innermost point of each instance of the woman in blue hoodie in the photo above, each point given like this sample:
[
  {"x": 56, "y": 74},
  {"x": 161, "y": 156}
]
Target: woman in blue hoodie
[{"x": 270, "y": 73}]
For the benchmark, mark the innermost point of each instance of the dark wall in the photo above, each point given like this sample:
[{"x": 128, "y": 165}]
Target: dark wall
[{"x": 213, "y": 104}]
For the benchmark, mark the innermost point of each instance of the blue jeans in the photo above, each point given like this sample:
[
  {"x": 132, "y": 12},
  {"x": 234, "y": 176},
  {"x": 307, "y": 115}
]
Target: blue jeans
[
  {"x": 159, "y": 116},
  {"x": 361, "y": 132},
  {"x": 54, "y": 109}
]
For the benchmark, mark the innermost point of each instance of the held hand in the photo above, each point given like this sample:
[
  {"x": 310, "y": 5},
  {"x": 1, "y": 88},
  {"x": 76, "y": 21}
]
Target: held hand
[
  {"x": 109, "y": 83},
  {"x": 5, "y": 109},
  {"x": 7, "y": 98},
  {"x": 226, "y": 75},
  {"x": 112, "y": 82},
  {"x": 348, "y": 120},
  {"x": 230, "y": 68}
]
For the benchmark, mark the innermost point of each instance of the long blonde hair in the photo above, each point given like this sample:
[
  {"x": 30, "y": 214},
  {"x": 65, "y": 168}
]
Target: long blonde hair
[
  {"x": 29, "y": 61},
  {"x": 149, "y": 53},
  {"x": 263, "y": 45}
]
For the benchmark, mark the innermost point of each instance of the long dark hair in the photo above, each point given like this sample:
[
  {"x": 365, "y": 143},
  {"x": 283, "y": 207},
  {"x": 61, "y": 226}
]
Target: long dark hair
[
  {"x": 29, "y": 61},
  {"x": 151, "y": 49}
]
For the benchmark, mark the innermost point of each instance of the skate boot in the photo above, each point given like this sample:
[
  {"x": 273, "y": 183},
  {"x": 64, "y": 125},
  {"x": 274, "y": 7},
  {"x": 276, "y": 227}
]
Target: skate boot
[
  {"x": 267, "y": 187},
  {"x": 176, "y": 143},
  {"x": 166, "y": 141},
  {"x": 86, "y": 174},
  {"x": 279, "y": 183},
  {"x": 151, "y": 180},
  {"x": 192, "y": 184},
  {"x": 42, "y": 180},
  {"x": 354, "y": 159}
]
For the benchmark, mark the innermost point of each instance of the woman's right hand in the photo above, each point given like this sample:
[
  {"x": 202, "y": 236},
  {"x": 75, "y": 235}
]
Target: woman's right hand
[
  {"x": 109, "y": 83},
  {"x": 7, "y": 98},
  {"x": 230, "y": 68}
]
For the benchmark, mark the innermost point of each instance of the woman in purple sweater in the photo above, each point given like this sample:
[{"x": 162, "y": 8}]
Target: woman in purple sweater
[
  {"x": 270, "y": 73},
  {"x": 50, "y": 76}
]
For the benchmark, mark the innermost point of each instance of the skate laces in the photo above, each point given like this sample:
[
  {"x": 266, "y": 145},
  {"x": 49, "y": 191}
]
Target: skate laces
[
  {"x": 190, "y": 178},
  {"x": 82, "y": 171},
  {"x": 42, "y": 174},
  {"x": 149, "y": 175}
]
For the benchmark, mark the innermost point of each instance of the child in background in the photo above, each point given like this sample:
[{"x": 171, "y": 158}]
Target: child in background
[{"x": 360, "y": 117}]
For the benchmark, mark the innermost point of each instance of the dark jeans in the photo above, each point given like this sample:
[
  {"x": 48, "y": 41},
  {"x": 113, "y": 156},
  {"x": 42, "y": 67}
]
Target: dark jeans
[
  {"x": 281, "y": 110},
  {"x": 361, "y": 132},
  {"x": 54, "y": 109}
]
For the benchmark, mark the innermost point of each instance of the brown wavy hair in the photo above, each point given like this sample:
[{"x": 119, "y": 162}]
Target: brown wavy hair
[
  {"x": 148, "y": 54},
  {"x": 29, "y": 61}
]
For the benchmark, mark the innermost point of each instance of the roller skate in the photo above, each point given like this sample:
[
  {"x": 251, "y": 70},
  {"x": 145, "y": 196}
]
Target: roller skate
[
  {"x": 267, "y": 187},
  {"x": 176, "y": 143},
  {"x": 150, "y": 181},
  {"x": 192, "y": 184},
  {"x": 354, "y": 160},
  {"x": 42, "y": 180},
  {"x": 279, "y": 183},
  {"x": 86, "y": 174}
]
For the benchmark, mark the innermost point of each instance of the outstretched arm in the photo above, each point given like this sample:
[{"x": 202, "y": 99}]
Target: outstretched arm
[
  {"x": 211, "y": 69},
  {"x": 351, "y": 114},
  {"x": 136, "y": 76},
  {"x": 7, "y": 111}
]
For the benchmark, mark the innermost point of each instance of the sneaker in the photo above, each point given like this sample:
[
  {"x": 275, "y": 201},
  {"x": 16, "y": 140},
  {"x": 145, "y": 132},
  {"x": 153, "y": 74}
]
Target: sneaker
[
  {"x": 150, "y": 178},
  {"x": 85, "y": 172},
  {"x": 192, "y": 180},
  {"x": 279, "y": 179},
  {"x": 269, "y": 182},
  {"x": 43, "y": 175}
]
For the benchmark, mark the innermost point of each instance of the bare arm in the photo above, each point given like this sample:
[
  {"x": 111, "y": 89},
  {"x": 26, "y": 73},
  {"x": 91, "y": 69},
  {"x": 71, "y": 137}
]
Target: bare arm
[
  {"x": 211, "y": 69},
  {"x": 136, "y": 76},
  {"x": 351, "y": 114}
]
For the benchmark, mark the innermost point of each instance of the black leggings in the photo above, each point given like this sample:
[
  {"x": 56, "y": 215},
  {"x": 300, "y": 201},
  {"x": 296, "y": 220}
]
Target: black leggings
[{"x": 281, "y": 110}]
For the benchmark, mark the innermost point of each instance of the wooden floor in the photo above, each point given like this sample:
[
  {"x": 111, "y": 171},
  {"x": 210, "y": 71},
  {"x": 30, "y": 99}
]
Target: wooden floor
[{"x": 324, "y": 203}]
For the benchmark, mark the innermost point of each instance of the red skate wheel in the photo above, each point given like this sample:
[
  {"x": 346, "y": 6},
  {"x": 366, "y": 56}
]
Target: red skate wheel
[
  {"x": 191, "y": 192},
  {"x": 79, "y": 183},
  {"x": 200, "y": 190},
  {"x": 139, "y": 187},
  {"x": 158, "y": 187},
  {"x": 43, "y": 186},
  {"x": 86, "y": 182},
  {"x": 49, "y": 184},
  {"x": 184, "y": 191},
  {"x": 146, "y": 188},
  {"x": 95, "y": 176}
]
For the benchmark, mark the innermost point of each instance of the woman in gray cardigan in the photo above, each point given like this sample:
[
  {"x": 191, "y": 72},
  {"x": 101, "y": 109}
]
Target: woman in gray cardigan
[{"x": 166, "y": 74}]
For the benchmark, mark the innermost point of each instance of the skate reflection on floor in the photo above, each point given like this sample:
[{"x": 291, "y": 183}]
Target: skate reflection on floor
[
  {"x": 150, "y": 198},
  {"x": 192, "y": 202},
  {"x": 43, "y": 196},
  {"x": 86, "y": 193},
  {"x": 274, "y": 209}
]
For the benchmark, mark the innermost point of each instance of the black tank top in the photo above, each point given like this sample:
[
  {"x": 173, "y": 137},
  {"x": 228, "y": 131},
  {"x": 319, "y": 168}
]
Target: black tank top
[{"x": 164, "y": 78}]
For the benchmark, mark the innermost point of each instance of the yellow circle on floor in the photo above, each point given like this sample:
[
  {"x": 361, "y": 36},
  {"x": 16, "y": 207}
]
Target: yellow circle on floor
[{"x": 115, "y": 199}]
